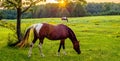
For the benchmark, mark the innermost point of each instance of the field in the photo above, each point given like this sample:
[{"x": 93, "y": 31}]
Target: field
[{"x": 99, "y": 38}]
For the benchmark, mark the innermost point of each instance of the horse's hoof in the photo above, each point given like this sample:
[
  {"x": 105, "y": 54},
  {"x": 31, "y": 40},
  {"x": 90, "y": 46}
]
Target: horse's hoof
[
  {"x": 29, "y": 56},
  {"x": 42, "y": 55},
  {"x": 65, "y": 53},
  {"x": 58, "y": 54}
]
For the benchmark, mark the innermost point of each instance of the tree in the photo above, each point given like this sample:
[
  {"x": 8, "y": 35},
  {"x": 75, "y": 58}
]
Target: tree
[
  {"x": 69, "y": 6},
  {"x": 79, "y": 10},
  {"x": 20, "y": 7}
]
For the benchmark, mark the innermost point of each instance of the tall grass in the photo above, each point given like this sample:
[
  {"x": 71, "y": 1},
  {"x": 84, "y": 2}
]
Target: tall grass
[{"x": 99, "y": 41}]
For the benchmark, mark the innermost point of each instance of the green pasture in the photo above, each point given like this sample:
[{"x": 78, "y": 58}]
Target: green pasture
[{"x": 99, "y": 38}]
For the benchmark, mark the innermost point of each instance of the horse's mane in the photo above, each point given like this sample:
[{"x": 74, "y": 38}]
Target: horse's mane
[{"x": 71, "y": 33}]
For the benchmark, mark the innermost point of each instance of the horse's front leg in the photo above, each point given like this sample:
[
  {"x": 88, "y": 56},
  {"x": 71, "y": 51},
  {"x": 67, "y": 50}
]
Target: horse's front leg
[
  {"x": 58, "y": 54},
  {"x": 40, "y": 47},
  {"x": 62, "y": 43},
  {"x": 64, "y": 52}
]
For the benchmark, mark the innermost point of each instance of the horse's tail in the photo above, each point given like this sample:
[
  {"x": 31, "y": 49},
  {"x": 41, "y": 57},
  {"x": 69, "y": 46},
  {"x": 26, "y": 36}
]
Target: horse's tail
[{"x": 25, "y": 38}]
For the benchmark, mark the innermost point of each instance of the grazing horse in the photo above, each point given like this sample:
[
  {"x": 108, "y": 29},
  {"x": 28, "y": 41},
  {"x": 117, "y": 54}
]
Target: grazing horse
[
  {"x": 52, "y": 32},
  {"x": 64, "y": 19}
]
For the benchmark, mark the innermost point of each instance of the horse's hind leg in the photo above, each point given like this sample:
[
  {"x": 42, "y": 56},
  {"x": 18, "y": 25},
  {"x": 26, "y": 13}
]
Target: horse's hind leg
[
  {"x": 31, "y": 46},
  {"x": 40, "y": 46}
]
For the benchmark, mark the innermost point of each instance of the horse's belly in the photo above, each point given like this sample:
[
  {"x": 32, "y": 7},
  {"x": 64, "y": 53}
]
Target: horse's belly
[
  {"x": 57, "y": 37},
  {"x": 57, "y": 34}
]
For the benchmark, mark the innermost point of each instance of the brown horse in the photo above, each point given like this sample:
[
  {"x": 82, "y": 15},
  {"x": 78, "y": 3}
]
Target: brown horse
[{"x": 59, "y": 32}]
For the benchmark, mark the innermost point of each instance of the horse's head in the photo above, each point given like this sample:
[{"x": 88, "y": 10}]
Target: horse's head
[{"x": 77, "y": 47}]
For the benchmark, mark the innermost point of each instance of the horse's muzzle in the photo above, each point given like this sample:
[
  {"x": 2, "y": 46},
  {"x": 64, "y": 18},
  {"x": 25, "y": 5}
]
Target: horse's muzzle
[{"x": 79, "y": 52}]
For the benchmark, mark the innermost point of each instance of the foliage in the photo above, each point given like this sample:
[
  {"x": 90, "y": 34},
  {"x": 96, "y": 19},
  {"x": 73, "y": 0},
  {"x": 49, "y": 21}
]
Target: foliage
[
  {"x": 72, "y": 9},
  {"x": 11, "y": 14},
  {"x": 12, "y": 37},
  {"x": 79, "y": 10},
  {"x": 47, "y": 10},
  {"x": 103, "y": 8},
  {"x": 20, "y": 9},
  {"x": 55, "y": 10},
  {"x": 1, "y": 16},
  {"x": 8, "y": 25}
]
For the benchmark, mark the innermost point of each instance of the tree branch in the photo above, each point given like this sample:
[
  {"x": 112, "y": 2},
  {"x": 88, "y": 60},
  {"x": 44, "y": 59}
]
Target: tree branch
[
  {"x": 30, "y": 6},
  {"x": 14, "y": 4},
  {"x": 26, "y": 8}
]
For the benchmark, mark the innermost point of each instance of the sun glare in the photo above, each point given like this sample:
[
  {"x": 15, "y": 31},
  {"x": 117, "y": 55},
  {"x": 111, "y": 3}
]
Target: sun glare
[
  {"x": 51, "y": 1},
  {"x": 62, "y": 3}
]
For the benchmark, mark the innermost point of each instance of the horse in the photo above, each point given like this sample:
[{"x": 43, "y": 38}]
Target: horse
[
  {"x": 52, "y": 32},
  {"x": 64, "y": 19}
]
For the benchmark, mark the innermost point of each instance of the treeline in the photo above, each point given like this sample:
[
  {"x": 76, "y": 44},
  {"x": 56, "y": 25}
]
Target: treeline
[
  {"x": 57, "y": 10},
  {"x": 103, "y": 9},
  {"x": 11, "y": 14},
  {"x": 71, "y": 9}
]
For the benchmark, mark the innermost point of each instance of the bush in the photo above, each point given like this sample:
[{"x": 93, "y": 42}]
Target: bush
[{"x": 12, "y": 39}]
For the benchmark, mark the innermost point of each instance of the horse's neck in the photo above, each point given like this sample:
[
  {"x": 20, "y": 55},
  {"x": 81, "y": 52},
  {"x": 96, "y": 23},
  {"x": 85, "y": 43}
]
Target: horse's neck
[
  {"x": 72, "y": 36},
  {"x": 73, "y": 39}
]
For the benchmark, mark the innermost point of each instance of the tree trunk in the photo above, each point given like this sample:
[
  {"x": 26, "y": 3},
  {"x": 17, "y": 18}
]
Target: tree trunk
[
  {"x": 18, "y": 28},
  {"x": 19, "y": 24}
]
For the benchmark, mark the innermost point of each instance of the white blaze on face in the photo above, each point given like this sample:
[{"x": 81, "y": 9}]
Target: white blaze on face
[{"x": 38, "y": 27}]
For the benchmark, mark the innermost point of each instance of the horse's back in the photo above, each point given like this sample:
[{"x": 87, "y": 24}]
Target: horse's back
[{"x": 56, "y": 32}]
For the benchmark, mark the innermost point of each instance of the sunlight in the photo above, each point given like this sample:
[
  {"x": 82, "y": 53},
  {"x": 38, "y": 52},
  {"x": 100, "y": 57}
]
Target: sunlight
[
  {"x": 62, "y": 3},
  {"x": 51, "y": 1}
]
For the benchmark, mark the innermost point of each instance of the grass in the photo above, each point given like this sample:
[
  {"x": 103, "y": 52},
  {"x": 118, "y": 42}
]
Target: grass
[{"x": 99, "y": 38}]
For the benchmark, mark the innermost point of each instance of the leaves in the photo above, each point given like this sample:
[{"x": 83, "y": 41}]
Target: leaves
[
  {"x": 13, "y": 4},
  {"x": 8, "y": 25}
]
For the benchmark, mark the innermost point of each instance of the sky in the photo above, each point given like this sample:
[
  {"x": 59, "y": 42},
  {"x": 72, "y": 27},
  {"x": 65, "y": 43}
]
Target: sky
[{"x": 116, "y": 1}]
